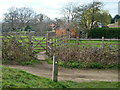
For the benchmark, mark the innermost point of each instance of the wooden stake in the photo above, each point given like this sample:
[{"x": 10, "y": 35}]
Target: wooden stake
[
  {"x": 46, "y": 42},
  {"x": 30, "y": 43},
  {"x": 69, "y": 36},
  {"x": 77, "y": 41},
  {"x": 55, "y": 69},
  {"x": 102, "y": 42},
  {"x": 47, "y": 39}
]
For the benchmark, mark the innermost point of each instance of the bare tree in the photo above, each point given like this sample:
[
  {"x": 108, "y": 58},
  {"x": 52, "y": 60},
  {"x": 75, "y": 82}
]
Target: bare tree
[
  {"x": 22, "y": 18},
  {"x": 68, "y": 12},
  {"x": 18, "y": 18},
  {"x": 25, "y": 16},
  {"x": 40, "y": 22},
  {"x": 11, "y": 18}
]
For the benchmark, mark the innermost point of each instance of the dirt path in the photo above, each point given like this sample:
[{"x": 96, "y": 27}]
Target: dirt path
[{"x": 45, "y": 70}]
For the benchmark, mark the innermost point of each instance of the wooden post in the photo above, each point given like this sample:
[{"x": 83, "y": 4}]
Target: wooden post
[
  {"x": 77, "y": 42},
  {"x": 52, "y": 44},
  {"x": 55, "y": 69},
  {"x": 30, "y": 43},
  {"x": 46, "y": 43},
  {"x": 62, "y": 43},
  {"x": 69, "y": 36},
  {"x": 55, "y": 45},
  {"x": 102, "y": 42},
  {"x": 52, "y": 49}
]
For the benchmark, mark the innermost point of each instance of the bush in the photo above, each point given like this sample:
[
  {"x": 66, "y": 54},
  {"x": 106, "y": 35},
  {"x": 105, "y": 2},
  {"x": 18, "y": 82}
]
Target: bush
[
  {"x": 94, "y": 55},
  {"x": 14, "y": 51},
  {"x": 106, "y": 32}
]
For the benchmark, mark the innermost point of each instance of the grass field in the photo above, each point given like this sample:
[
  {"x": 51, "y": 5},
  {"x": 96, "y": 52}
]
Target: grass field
[
  {"x": 13, "y": 78},
  {"x": 98, "y": 43},
  {"x": 82, "y": 43},
  {"x": 88, "y": 43}
]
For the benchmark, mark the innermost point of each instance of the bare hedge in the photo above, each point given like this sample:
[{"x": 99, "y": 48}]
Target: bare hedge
[
  {"x": 104, "y": 56},
  {"x": 13, "y": 49}
]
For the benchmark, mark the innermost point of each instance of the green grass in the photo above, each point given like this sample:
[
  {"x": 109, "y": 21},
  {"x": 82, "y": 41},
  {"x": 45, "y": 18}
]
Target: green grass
[
  {"x": 84, "y": 42},
  {"x": 84, "y": 65},
  {"x": 20, "y": 62},
  {"x": 93, "y": 42},
  {"x": 13, "y": 78}
]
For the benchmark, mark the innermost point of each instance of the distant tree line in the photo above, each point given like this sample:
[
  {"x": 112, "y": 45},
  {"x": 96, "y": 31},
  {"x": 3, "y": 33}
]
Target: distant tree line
[
  {"x": 80, "y": 17},
  {"x": 25, "y": 19}
]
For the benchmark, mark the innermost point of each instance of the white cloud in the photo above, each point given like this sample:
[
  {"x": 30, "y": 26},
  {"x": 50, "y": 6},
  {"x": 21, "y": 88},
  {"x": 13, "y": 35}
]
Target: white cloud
[{"x": 52, "y": 8}]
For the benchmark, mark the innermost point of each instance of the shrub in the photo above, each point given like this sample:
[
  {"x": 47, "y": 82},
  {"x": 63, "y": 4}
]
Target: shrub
[
  {"x": 106, "y": 32},
  {"x": 14, "y": 51},
  {"x": 104, "y": 56}
]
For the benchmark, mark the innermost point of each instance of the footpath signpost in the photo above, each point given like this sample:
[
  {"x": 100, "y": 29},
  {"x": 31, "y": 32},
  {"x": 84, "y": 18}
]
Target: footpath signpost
[{"x": 55, "y": 69}]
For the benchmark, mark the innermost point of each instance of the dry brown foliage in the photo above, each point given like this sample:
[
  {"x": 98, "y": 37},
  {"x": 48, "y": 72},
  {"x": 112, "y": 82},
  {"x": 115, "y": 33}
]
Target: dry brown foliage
[
  {"x": 13, "y": 50},
  {"x": 104, "y": 56}
]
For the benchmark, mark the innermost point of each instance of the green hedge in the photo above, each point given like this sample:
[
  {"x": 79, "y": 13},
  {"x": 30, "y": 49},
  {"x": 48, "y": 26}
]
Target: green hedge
[{"x": 106, "y": 32}]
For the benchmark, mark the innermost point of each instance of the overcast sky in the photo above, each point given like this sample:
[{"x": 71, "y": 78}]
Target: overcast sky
[{"x": 52, "y": 8}]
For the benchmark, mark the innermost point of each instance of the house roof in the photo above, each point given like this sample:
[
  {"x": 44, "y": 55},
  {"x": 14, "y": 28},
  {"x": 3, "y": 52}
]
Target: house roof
[{"x": 112, "y": 25}]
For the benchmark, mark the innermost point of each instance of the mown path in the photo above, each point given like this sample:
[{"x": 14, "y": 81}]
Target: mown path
[{"x": 45, "y": 70}]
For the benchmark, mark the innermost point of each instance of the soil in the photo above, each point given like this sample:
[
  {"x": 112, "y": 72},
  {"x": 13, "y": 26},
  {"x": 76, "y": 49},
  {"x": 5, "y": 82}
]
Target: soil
[{"x": 78, "y": 75}]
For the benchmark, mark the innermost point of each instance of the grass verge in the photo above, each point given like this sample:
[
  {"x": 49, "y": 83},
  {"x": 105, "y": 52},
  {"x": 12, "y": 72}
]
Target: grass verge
[
  {"x": 13, "y": 78},
  {"x": 84, "y": 65},
  {"x": 20, "y": 62}
]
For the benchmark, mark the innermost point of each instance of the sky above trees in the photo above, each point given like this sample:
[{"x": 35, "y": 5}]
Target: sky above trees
[{"x": 52, "y": 8}]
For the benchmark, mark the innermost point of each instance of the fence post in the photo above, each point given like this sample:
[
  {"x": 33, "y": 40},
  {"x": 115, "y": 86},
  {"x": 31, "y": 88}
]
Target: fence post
[
  {"x": 62, "y": 43},
  {"x": 102, "y": 42},
  {"x": 77, "y": 42},
  {"x": 46, "y": 43},
  {"x": 69, "y": 36},
  {"x": 30, "y": 43},
  {"x": 55, "y": 45},
  {"x": 52, "y": 49},
  {"x": 55, "y": 69}
]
